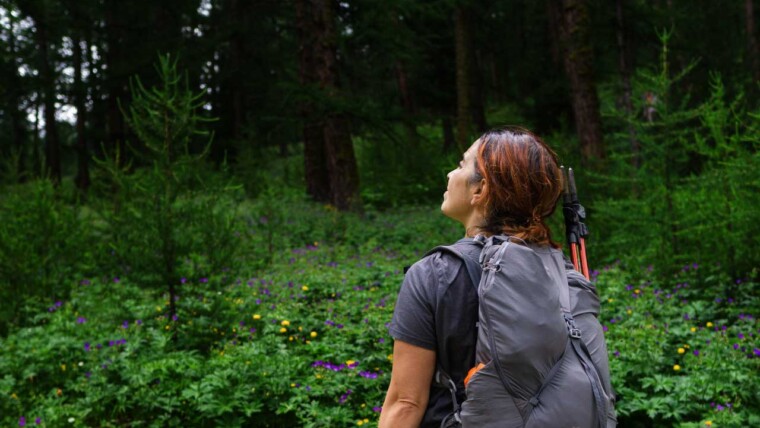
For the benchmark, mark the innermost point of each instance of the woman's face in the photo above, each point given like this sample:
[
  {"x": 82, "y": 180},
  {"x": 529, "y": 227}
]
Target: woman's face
[{"x": 457, "y": 201}]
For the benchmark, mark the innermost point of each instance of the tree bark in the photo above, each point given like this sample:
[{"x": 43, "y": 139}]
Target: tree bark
[
  {"x": 754, "y": 55},
  {"x": 315, "y": 159},
  {"x": 115, "y": 80},
  {"x": 463, "y": 55},
  {"x": 578, "y": 60},
  {"x": 47, "y": 75},
  {"x": 18, "y": 128},
  {"x": 625, "y": 74},
  {"x": 341, "y": 172},
  {"x": 80, "y": 95}
]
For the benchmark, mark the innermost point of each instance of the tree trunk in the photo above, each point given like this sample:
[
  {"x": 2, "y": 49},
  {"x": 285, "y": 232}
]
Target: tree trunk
[
  {"x": 463, "y": 56},
  {"x": 754, "y": 56},
  {"x": 114, "y": 81},
  {"x": 449, "y": 141},
  {"x": 315, "y": 159},
  {"x": 80, "y": 95},
  {"x": 578, "y": 59},
  {"x": 47, "y": 76},
  {"x": 477, "y": 101},
  {"x": 341, "y": 172},
  {"x": 18, "y": 128},
  {"x": 625, "y": 74}
]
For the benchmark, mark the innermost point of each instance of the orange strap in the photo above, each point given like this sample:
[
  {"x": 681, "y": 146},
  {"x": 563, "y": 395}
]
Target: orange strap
[{"x": 472, "y": 372}]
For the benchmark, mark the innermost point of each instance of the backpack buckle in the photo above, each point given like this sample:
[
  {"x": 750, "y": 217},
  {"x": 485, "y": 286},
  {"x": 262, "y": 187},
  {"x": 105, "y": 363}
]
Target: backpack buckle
[{"x": 575, "y": 333}]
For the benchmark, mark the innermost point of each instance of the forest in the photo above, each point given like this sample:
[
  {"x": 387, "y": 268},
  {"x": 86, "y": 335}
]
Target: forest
[{"x": 206, "y": 206}]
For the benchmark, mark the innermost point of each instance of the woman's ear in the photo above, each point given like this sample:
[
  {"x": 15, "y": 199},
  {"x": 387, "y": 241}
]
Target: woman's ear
[{"x": 479, "y": 191}]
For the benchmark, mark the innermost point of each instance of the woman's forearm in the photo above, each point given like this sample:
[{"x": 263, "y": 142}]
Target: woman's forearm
[{"x": 402, "y": 414}]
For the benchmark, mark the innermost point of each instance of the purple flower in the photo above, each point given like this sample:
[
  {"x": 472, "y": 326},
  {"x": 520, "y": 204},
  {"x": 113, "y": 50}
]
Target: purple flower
[
  {"x": 740, "y": 336},
  {"x": 138, "y": 322},
  {"x": 377, "y": 409},
  {"x": 368, "y": 375},
  {"x": 174, "y": 317},
  {"x": 696, "y": 352},
  {"x": 37, "y": 420},
  {"x": 58, "y": 304},
  {"x": 87, "y": 346},
  {"x": 125, "y": 324},
  {"x": 81, "y": 320},
  {"x": 116, "y": 280},
  {"x": 756, "y": 351},
  {"x": 344, "y": 397},
  {"x": 203, "y": 280},
  {"x": 736, "y": 346},
  {"x": 84, "y": 282},
  {"x": 616, "y": 353},
  {"x": 22, "y": 421},
  {"x": 381, "y": 340}
]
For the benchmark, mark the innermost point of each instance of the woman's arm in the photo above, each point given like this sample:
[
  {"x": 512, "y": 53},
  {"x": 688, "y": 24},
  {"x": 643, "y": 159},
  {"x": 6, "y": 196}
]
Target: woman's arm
[{"x": 407, "y": 396}]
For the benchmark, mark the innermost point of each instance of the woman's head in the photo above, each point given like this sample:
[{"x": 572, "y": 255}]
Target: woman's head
[{"x": 514, "y": 182}]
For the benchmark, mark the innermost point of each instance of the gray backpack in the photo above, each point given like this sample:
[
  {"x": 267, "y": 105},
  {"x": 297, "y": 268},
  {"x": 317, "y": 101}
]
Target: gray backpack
[{"x": 538, "y": 370}]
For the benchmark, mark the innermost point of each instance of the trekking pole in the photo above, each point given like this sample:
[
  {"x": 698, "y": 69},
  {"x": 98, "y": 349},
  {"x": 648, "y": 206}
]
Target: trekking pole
[{"x": 575, "y": 228}]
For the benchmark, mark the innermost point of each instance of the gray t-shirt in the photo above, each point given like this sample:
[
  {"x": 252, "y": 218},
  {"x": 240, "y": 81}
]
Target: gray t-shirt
[{"x": 437, "y": 309}]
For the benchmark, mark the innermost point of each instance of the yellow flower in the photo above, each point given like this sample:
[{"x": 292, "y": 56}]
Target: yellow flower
[
  {"x": 308, "y": 342},
  {"x": 693, "y": 329},
  {"x": 14, "y": 396},
  {"x": 167, "y": 327},
  {"x": 676, "y": 367},
  {"x": 709, "y": 324},
  {"x": 285, "y": 323},
  {"x": 360, "y": 423},
  {"x": 610, "y": 300},
  {"x": 390, "y": 357},
  {"x": 283, "y": 330},
  {"x": 637, "y": 291},
  {"x": 305, "y": 288},
  {"x": 350, "y": 362},
  {"x": 366, "y": 421},
  {"x": 256, "y": 316},
  {"x": 708, "y": 423},
  {"x": 290, "y": 338},
  {"x": 681, "y": 350},
  {"x": 292, "y": 385},
  {"x": 686, "y": 346},
  {"x": 629, "y": 312},
  {"x": 300, "y": 328},
  {"x": 63, "y": 367},
  {"x": 313, "y": 334}
]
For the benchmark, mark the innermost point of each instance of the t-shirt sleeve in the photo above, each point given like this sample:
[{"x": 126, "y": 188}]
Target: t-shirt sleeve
[{"x": 413, "y": 321}]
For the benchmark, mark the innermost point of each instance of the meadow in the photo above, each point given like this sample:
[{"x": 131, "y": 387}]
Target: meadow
[{"x": 292, "y": 330}]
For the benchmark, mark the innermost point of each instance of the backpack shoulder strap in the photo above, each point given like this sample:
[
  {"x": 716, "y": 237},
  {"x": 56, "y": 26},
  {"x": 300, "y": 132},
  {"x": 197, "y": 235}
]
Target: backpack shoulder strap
[{"x": 468, "y": 251}]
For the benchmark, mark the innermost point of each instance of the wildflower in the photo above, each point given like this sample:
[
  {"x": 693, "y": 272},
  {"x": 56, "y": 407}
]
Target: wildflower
[
  {"x": 22, "y": 421},
  {"x": 305, "y": 288},
  {"x": 87, "y": 346},
  {"x": 313, "y": 334},
  {"x": 63, "y": 367},
  {"x": 285, "y": 323},
  {"x": 693, "y": 329},
  {"x": 125, "y": 324},
  {"x": 681, "y": 350},
  {"x": 696, "y": 352},
  {"x": 81, "y": 320},
  {"x": 708, "y": 423},
  {"x": 377, "y": 409},
  {"x": 71, "y": 420},
  {"x": 709, "y": 324},
  {"x": 676, "y": 367},
  {"x": 256, "y": 316},
  {"x": 283, "y": 330},
  {"x": 37, "y": 420}
]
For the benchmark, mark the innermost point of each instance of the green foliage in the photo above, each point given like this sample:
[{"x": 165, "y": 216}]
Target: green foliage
[
  {"x": 678, "y": 354},
  {"x": 169, "y": 213},
  {"x": 689, "y": 192},
  {"x": 405, "y": 171},
  {"x": 43, "y": 243}
]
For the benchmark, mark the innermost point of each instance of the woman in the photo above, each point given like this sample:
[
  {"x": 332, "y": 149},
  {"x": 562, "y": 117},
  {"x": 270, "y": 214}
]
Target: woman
[{"x": 507, "y": 183}]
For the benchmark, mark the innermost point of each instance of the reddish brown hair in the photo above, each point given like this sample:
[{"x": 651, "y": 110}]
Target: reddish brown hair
[{"x": 523, "y": 184}]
